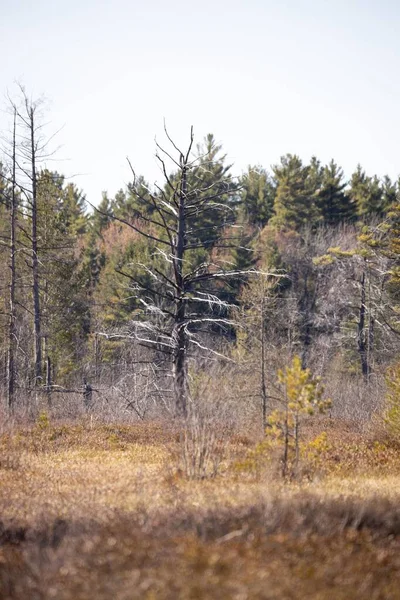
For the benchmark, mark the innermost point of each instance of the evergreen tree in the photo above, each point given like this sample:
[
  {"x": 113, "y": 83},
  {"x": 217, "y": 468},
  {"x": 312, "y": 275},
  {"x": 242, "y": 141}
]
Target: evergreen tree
[
  {"x": 295, "y": 202},
  {"x": 100, "y": 219},
  {"x": 367, "y": 194},
  {"x": 5, "y": 191},
  {"x": 384, "y": 239},
  {"x": 125, "y": 253},
  {"x": 212, "y": 175},
  {"x": 73, "y": 211},
  {"x": 315, "y": 175},
  {"x": 389, "y": 192},
  {"x": 126, "y": 204},
  {"x": 335, "y": 204},
  {"x": 61, "y": 223},
  {"x": 257, "y": 196}
]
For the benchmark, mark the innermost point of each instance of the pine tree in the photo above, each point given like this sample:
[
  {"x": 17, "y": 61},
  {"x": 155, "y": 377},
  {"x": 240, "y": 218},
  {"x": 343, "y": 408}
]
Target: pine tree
[
  {"x": 125, "y": 204},
  {"x": 100, "y": 219},
  {"x": 257, "y": 196},
  {"x": 367, "y": 194},
  {"x": 295, "y": 202},
  {"x": 315, "y": 175},
  {"x": 73, "y": 211},
  {"x": 384, "y": 239},
  {"x": 212, "y": 175},
  {"x": 61, "y": 223},
  {"x": 335, "y": 204},
  {"x": 390, "y": 192}
]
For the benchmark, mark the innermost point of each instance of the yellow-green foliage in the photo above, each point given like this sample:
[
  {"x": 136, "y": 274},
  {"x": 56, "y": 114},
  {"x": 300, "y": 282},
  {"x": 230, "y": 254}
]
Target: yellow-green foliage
[
  {"x": 256, "y": 459},
  {"x": 302, "y": 392},
  {"x": 312, "y": 454},
  {"x": 392, "y": 411},
  {"x": 323, "y": 261},
  {"x": 43, "y": 421},
  {"x": 301, "y": 396},
  {"x": 339, "y": 253},
  {"x": 336, "y": 253}
]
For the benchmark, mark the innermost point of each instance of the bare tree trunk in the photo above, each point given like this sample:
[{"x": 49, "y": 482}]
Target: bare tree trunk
[
  {"x": 307, "y": 309},
  {"x": 264, "y": 396},
  {"x": 96, "y": 343},
  {"x": 178, "y": 290},
  {"x": 371, "y": 329},
  {"x": 362, "y": 336},
  {"x": 35, "y": 258},
  {"x": 11, "y": 371},
  {"x": 285, "y": 449},
  {"x": 296, "y": 443},
  {"x": 48, "y": 381},
  {"x": 179, "y": 333}
]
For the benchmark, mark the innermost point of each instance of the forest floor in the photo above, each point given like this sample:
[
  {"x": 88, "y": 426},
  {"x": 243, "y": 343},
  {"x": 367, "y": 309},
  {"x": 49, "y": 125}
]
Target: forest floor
[{"x": 92, "y": 511}]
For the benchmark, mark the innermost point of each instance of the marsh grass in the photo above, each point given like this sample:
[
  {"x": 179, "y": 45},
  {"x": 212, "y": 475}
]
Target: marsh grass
[{"x": 97, "y": 511}]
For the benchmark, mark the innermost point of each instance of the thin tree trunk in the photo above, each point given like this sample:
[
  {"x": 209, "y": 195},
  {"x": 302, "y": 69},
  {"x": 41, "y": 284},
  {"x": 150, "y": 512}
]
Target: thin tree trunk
[
  {"x": 96, "y": 357},
  {"x": 371, "y": 327},
  {"x": 35, "y": 259},
  {"x": 11, "y": 371},
  {"x": 286, "y": 440},
  {"x": 264, "y": 397},
  {"x": 361, "y": 337},
  {"x": 296, "y": 442},
  {"x": 179, "y": 334},
  {"x": 48, "y": 380},
  {"x": 285, "y": 450}
]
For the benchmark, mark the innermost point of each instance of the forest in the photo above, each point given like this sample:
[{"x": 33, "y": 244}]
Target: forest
[
  {"x": 204, "y": 370},
  {"x": 295, "y": 259}
]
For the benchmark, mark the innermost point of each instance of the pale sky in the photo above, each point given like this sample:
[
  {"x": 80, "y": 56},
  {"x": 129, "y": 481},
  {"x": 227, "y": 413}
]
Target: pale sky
[{"x": 266, "y": 77}]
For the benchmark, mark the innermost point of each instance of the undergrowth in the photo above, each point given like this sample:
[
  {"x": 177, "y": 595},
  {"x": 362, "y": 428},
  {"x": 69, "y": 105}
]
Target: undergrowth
[{"x": 94, "y": 510}]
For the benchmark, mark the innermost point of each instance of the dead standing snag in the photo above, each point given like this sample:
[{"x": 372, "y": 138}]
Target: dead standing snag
[{"x": 187, "y": 223}]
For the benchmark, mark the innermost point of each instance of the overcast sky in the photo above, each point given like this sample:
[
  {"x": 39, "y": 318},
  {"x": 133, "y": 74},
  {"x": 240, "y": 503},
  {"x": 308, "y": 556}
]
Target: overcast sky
[{"x": 266, "y": 77}]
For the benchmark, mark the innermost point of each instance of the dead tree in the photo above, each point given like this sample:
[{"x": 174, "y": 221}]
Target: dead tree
[
  {"x": 9, "y": 241},
  {"x": 12, "y": 337},
  {"x": 183, "y": 299},
  {"x": 362, "y": 338},
  {"x": 31, "y": 151}
]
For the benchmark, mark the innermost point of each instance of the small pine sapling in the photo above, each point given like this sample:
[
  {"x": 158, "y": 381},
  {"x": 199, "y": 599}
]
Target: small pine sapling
[{"x": 301, "y": 396}]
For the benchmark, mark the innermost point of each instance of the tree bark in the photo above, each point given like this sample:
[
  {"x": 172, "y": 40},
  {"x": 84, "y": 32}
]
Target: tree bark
[
  {"x": 179, "y": 333},
  {"x": 264, "y": 396},
  {"x": 35, "y": 258},
  {"x": 48, "y": 381},
  {"x": 11, "y": 371},
  {"x": 361, "y": 334}
]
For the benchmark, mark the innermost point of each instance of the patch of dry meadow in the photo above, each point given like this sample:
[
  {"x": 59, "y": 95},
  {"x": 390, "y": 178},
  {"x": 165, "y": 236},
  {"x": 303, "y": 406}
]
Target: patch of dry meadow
[{"x": 103, "y": 511}]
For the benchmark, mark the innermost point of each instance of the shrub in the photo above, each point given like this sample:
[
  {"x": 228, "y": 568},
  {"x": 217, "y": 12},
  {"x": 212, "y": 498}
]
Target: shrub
[
  {"x": 392, "y": 408},
  {"x": 300, "y": 396},
  {"x": 201, "y": 447}
]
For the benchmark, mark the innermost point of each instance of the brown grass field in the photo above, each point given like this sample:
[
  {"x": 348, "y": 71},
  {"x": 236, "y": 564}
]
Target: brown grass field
[{"x": 94, "y": 511}]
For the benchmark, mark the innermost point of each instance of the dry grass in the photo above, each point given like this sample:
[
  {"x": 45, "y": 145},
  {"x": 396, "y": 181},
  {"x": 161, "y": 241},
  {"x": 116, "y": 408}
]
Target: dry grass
[{"x": 98, "y": 511}]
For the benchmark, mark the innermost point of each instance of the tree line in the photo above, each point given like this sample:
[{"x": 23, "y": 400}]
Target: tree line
[{"x": 161, "y": 281}]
